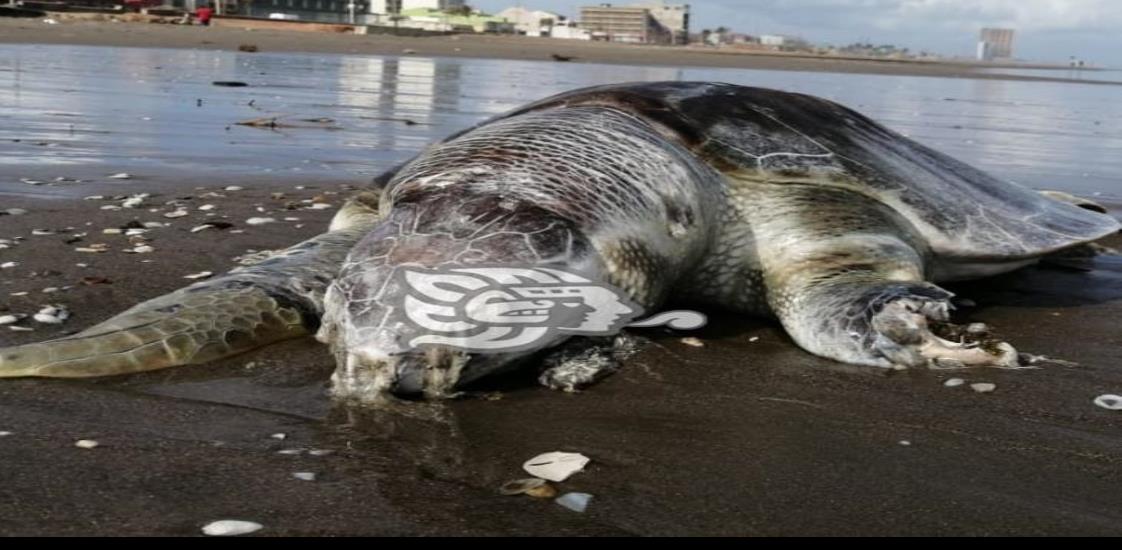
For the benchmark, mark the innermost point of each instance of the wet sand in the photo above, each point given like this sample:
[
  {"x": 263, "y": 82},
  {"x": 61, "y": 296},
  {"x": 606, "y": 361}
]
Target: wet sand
[
  {"x": 96, "y": 33},
  {"x": 744, "y": 436}
]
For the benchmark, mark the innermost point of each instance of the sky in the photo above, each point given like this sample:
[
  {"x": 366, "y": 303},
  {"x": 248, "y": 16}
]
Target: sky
[{"x": 1047, "y": 30}]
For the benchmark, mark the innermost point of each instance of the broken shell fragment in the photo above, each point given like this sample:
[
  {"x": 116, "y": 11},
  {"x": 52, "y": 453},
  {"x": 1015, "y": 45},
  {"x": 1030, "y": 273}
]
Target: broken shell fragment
[
  {"x": 577, "y": 502},
  {"x": 983, "y": 387},
  {"x": 521, "y": 486},
  {"x": 954, "y": 382},
  {"x": 231, "y": 528},
  {"x": 200, "y": 275},
  {"x": 87, "y": 444},
  {"x": 555, "y": 466},
  {"x": 1109, "y": 402},
  {"x": 260, "y": 221}
]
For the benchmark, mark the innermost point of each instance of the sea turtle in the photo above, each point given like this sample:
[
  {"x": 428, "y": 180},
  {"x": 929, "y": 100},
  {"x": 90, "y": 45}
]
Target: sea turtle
[{"x": 758, "y": 201}]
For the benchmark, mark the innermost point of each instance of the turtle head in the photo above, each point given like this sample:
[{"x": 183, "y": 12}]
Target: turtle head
[{"x": 428, "y": 302}]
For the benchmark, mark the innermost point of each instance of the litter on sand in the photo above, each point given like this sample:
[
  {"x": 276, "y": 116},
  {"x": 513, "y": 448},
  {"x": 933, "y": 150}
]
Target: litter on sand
[
  {"x": 555, "y": 466},
  {"x": 231, "y": 528},
  {"x": 1109, "y": 402}
]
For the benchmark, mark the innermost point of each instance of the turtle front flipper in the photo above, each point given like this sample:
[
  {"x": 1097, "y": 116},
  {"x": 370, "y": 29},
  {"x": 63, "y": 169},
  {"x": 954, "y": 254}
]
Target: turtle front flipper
[
  {"x": 845, "y": 276},
  {"x": 277, "y": 299}
]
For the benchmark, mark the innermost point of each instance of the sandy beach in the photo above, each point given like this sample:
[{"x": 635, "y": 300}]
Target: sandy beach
[
  {"x": 746, "y": 435},
  {"x": 96, "y": 33}
]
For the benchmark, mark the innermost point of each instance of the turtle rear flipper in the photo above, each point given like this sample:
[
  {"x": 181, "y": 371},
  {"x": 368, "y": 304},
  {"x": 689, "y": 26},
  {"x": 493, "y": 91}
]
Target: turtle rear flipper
[{"x": 277, "y": 299}]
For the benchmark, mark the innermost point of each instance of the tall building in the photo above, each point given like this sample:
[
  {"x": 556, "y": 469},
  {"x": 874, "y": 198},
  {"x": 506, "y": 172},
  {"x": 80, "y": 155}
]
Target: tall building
[
  {"x": 674, "y": 17},
  {"x": 995, "y": 44},
  {"x": 635, "y": 24},
  {"x": 397, "y": 6}
]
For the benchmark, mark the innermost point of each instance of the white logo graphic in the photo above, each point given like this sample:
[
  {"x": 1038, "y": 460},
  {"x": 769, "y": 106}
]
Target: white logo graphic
[{"x": 488, "y": 309}]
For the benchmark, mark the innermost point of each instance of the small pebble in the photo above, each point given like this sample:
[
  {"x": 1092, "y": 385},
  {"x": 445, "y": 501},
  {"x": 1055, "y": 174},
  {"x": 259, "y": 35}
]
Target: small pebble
[
  {"x": 206, "y": 207},
  {"x": 320, "y": 452},
  {"x": 260, "y": 221},
  {"x": 304, "y": 476},
  {"x": 231, "y": 528},
  {"x": 8, "y": 265},
  {"x": 176, "y": 214},
  {"x": 983, "y": 387},
  {"x": 280, "y": 437},
  {"x": 87, "y": 444},
  {"x": 905, "y": 443},
  {"x": 954, "y": 382}
]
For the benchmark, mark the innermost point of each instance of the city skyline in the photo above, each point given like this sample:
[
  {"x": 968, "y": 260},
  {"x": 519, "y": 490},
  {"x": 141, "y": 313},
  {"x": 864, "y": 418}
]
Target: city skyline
[{"x": 1047, "y": 30}]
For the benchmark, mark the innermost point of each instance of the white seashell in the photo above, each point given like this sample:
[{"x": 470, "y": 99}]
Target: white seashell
[
  {"x": 21, "y": 329},
  {"x": 954, "y": 382},
  {"x": 8, "y": 265},
  {"x": 304, "y": 476},
  {"x": 321, "y": 452},
  {"x": 5, "y": 434},
  {"x": 260, "y": 221},
  {"x": 143, "y": 249},
  {"x": 231, "y": 528},
  {"x": 234, "y": 188},
  {"x": 556, "y": 466},
  {"x": 279, "y": 437},
  {"x": 47, "y": 319},
  {"x": 206, "y": 207},
  {"x": 111, "y": 207},
  {"x": 87, "y": 444},
  {"x": 11, "y": 319},
  {"x": 200, "y": 275},
  {"x": 176, "y": 214},
  {"x": 120, "y": 176},
  {"x": 577, "y": 502},
  {"x": 290, "y": 452},
  {"x": 50, "y": 290},
  {"x": 693, "y": 342},
  {"x": 42, "y": 232},
  {"x": 983, "y": 387},
  {"x": 320, "y": 206},
  {"x": 1109, "y": 402},
  {"x": 132, "y": 202}
]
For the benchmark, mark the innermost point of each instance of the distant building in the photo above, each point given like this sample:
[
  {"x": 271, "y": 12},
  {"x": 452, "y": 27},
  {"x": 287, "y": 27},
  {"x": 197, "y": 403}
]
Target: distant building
[
  {"x": 531, "y": 22},
  {"x": 324, "y": 11},
  {"x": 773, "y": 40},
  {"x": 674, "y": 17},
  {"x": 397, "y": 6},
  {"x": 995, "y": 44},
  {"x": 634, "y": 24}
]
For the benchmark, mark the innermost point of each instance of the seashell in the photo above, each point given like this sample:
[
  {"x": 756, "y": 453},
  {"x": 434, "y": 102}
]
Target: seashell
[
  {"x": 231, "y": 528},
  {"x": 555, "y": 466}
]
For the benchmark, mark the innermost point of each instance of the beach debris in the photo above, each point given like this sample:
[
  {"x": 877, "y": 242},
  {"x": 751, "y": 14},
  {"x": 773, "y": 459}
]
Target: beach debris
[
  {"x": 290, "y": 452},
  {"x": 260, "y": 221},
  {"x": 234, "y": 188},
  {"x": 11, "y": 319},
  {"x": 207, "y": 207},
  {"x": 304, "y": 476},
  {"x": 15, "y": 211},
  {"x": 87, "y": 444},
  {"x": 133, "y": 202},
  {"x": 954, "y": 382},
  {"x": 230, "y": 83},
  {"x": 264, "y": 122},
  {"x": 279, "y": 436},
  {"x": 577, "y": 502},
  {"x": 52, "y": 315},
  {"x": 905, "y": 443},
  {"x": 532, "y": 487},
  {"x": 1109, "y": 402},
  {"x": 6, "y": 434},
  {"x": 408, "y": 51},
  {"x": 142, "y": 249},
  {"x": 8, "y": 265},
  {"x": 91, "y": 281},
  {"x": 93, "y": 248},
  {"x": 319, "y": 206},
  {"x": 555, "y": 466},
  {"x": 120, "y": 176},
  {"x": 231, "y": 528},
  {"x": 200, "y": 275},
  {"x": 176, "y": 214},
  {"x": 42, "y": 232},
  {"x": 562, "y": 58},
  {"x": 50, "y": 21},
  {"x": 321, "y": 452},
  {"x": 212, "y": 225},
  {"x": 693, "y": 342},
  {"x": 248, "y": 48},
  {"x": 983, "y": 387},
  {"x": 15, "y": 328}
]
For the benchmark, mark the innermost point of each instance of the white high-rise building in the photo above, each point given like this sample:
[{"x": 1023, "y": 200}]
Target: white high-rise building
[{"x": 380, "y": 7}]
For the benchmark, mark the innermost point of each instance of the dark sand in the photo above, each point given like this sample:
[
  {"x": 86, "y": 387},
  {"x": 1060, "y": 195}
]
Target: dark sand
[
  {"x": 95, "y": 33},
  {"x": 736, "y": 438}
]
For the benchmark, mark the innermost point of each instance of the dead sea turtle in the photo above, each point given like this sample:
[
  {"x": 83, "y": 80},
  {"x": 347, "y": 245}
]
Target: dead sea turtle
[{"x": 755, "y": 200}]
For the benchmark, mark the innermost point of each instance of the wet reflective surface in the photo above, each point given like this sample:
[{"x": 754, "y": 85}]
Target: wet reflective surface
[{"x": 90, "y": 111}]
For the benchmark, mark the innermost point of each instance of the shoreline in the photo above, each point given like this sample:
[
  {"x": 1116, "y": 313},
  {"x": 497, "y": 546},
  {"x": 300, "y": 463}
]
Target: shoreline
[{"x": 145, "y": 35}]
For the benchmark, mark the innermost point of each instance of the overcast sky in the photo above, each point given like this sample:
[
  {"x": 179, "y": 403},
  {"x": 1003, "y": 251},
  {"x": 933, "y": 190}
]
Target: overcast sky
[{"x": 1046, "y": 29}]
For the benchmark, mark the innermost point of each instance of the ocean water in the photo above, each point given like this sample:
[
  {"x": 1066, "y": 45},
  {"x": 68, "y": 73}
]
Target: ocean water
[{"x": 85, "y": 112}]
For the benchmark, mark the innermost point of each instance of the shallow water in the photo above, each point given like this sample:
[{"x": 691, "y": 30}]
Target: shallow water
[{"x": 87, "y": 112}]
